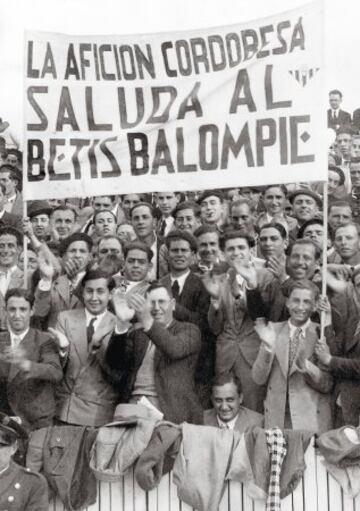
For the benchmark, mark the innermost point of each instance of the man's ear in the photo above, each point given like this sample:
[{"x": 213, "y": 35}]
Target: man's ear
[{"x": 173, "y": 304}]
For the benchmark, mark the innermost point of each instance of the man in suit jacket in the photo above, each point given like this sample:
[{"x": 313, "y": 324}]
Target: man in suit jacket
[
  {"x": 54, "y": 295},
  {"x": 9, "y": 178},
  {"x": 8, "y": 219},
  {"x": 101, "y": 203},
  {"x": 30, "y": 364},
  {"x": 192, "y": 302},
  {"x": 343, "y": 357},
  {"x": 137, "y": 264},
  {"x": 298, "y": 390},
  {"x": 230, "y": 317},
  {"x": 158, "y": 360},
  {"x": 166, "y": 202},
  {"x": 356, "y": 119},
  {"x": 10, "y": 274},
  {"x": 335, "y": 116},
  {"x": 228, "y": 412},
  {"x": 86, "y": 396},
  {"x": 274, "y": 200},
  {"x": 144, "y": 223}
]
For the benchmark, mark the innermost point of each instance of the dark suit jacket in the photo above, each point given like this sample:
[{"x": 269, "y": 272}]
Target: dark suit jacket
[
  {"x": 12, "y": 220},
  {"x": 86, "y": 396},
  {"x": 31, "y": 394},
  {"x": 343, "y": 118},
  {"x": 177, "y": 349},
  {"x": 345, "y": 363},
  {"x": 356, "y": 118},
  {"x": 192, "y": 306},
  {"x": 247, "y": 419}
]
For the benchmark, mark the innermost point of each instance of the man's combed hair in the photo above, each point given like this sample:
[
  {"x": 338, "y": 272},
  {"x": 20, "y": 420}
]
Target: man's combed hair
[
  {"x": 158, "y": 285},
  {"x": 306, "y": 241},
  {"x": 138, "y": 245},
  {"x": 304, "y": 284},
  {"x": 275, "y": 225},
  {"x": 19, "y": 292},
  {"x": 98, "y": 273},
  {"x": 223, "y": 379},
  {"x": 233, "y": 235}
]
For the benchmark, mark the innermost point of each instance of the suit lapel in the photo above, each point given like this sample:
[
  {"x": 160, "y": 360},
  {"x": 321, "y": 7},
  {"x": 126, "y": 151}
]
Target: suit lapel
[
  {"x": 105, "y": 327},
  {"x": 63, "y": 288},
  {"x": 282, "y": 348},
  {"x": 28, "y": 345},
  {"x": 79, "y": 336}
]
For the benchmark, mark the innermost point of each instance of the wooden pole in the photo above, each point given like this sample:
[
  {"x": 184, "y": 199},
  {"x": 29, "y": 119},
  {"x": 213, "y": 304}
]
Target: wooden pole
[{"x": 324, "y": 252}]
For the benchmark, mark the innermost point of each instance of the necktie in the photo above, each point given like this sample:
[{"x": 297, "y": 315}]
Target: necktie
[
  {"x": 223, "y": 425},
  {"x": 162, "y": 228},
  {"x": 17, "y": 341},
  {"x": 293, "y": 346},
  {"x": 175, "y": 289},
  {"x": 90, "y": 330}
]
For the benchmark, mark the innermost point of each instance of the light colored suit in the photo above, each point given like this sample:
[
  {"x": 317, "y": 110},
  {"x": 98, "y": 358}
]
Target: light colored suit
[
  {"x": 246, "y": 419},
  {"x": 85, "y": 396},
  {"x": 308, "y": 394},
  {"x": 16, "y": 207}
]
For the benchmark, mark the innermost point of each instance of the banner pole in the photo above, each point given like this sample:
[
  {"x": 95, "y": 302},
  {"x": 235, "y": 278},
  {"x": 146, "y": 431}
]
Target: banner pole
[
  {"x": 25, "y": 250},
  {"x": 324, "y": 253}
]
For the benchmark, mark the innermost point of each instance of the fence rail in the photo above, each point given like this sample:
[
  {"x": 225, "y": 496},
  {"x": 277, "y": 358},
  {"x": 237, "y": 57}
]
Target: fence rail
[{"x": 318, "y": 491}]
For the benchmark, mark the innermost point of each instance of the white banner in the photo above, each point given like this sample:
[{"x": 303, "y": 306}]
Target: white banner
[{"x": 208, "y": 108}]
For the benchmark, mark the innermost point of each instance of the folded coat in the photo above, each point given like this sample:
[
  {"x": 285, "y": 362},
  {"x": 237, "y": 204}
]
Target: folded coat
[{"x": 209, "y": 457}]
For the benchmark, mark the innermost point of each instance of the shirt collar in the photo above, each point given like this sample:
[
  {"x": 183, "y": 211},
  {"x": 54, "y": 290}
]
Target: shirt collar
[
  {"x": 303, "y": 327},
  {"x": 14, "y": 336},
  {"x": 181, "y": 280},
  {"x": 227, "y": 425},
  {"x": 8, "y": 271},
  {"x": 98, "y": 318}
]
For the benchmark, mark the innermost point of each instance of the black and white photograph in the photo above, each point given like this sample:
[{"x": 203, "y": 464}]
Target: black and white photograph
[{"x": 179, "y": 255}]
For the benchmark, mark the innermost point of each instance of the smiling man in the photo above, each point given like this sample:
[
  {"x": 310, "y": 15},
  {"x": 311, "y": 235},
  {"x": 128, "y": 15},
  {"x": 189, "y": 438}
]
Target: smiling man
[
  {"x": 31, "y": 364},
  {"x": 54, "y": 294},
  {"x": 230, "y": 317},
  {"x": 192, "y": 301},
  {"x": 157, "y": 361},
  {"x": 298, "y": 390},
  {"x": 62, "y": 220},
  {"x": 85, "y": 396},
  {"x": 274, "y": 200},
  {"x": 227, "y": 411},
  {"x": 306, "y": 205},
  {"x": 10, "y": 274}
]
